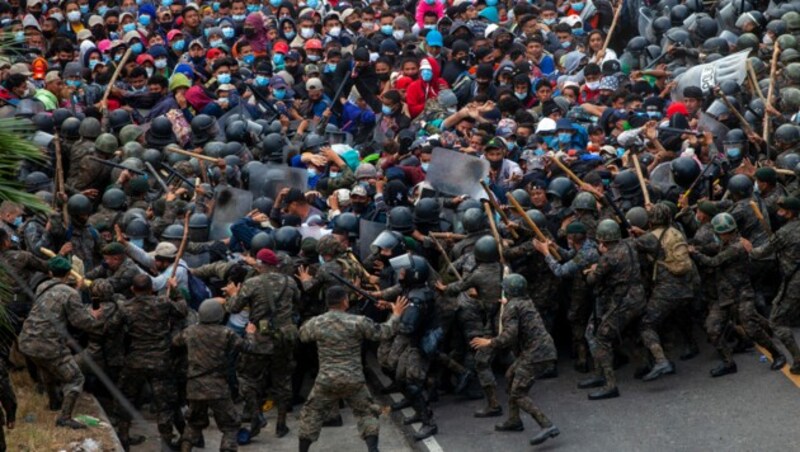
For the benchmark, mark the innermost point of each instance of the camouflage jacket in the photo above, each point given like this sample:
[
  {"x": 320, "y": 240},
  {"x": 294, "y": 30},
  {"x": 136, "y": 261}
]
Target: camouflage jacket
[
  {"x": 339, "y": 336},
  {"x": 786, "y": 244},
  {"x": 86, "y": 241},
  {"x": 106, "y": 338},
  {"x": 209, "y": 350},
  {"x": 270, "y": 298},
  {"x": 44, "y": 333},
  {"x": 618, "y": 278},
  {"x": 747, "y": 222},
  {"x": 732, "y": 267},
  {"x": 148, "y": 323},
  {"x": 121, "y": 279},
  {"x": 665, "y": 284},
  {"x": 524, "y": 330}
]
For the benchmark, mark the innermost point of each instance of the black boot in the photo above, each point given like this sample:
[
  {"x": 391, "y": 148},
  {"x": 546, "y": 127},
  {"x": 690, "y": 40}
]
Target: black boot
[
  {"x": 510, "y": 425},
  {"x": 372, "y": 443},
  {"x": 659, "y": 369},
  {"x": 596, "y": 381},
  {"x": 545, "y": 434},
  {"x": 305, "y": 444},
  {"x": 778, "y": 361},
  {"x": 493, "y": 408},
  {"x": 65, "y": 420},
  {"x": 393, "y": 387},
  {"x": 691, "y": 351},
  {"x": 604, "y": 393},
  {"x": 256, "y": 424},
  {"x": 724, "y": 369},
  {"x": 550, "y": 372},
  {"x": 795, "y": 369},
  {"x": 281, "y": 429},
  {"x": 428, "y": 429}
]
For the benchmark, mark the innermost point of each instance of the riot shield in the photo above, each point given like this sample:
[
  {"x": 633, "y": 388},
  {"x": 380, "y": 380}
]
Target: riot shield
[
  {"x": 455, "y": 173},
  {"x": 41, "y": 139},
  {"x": 367, "y": 232},
  {"x": 707, "y": 76},
  {"x": 646, "y": 25},
  {"x": 706, "y": 123},
  {"x": 661, "y": 177},
  {"x": 269, "y": 179},
  {"x": 230, "y": 204}
]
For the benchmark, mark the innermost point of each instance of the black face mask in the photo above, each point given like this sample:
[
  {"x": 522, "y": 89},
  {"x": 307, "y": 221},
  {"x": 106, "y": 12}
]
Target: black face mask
[
  {"x": 359, "y": 207},
  {"x": 355, "y": 26},
  {"x": 496, "y": 165},
  {"x": 112, "y": 27},
  {"x": 385, "y": 76},
  {"x": 249, "y": 33},
  {"x": 48, "y": 34},
  {"x": 522, "y": 141}
]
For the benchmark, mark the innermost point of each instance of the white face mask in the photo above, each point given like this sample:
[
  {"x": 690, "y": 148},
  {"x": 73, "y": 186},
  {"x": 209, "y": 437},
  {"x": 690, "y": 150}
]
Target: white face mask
[
  {"x": 307, "y": 33},
  {"x": 335, "y": 31},
  {"x": 593, "y": 85},
  {"x": 398, "y": 34}
]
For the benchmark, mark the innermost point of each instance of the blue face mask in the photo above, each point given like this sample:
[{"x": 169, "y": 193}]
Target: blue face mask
[
  {"x": 549, "y": 21},
  {"x": 117, "y": 57},
  {"x": 138, "y": 242},
  {"x": 279, "y": 94},
  {"x": 239, "y": 17},
  {"x": 491, "y": 2},
  {"x": 166, "y": 3},
  {"x": 426, "y": 74},
  {"x": 129, "y": 27},
  {"x": 252, "y": 8},
  {"x": 93, "y": 64},
  {"x": 550, "y": 140},
  {"x": 144, "y": 20},
  {"x": 102, "y": 10},
  {"x": 733, "y": 153},
  {"x": 17, "y": 222},
  {"x": 312, "y": 172},
  {"x": 620, "y": 152},
  {"x": 215, "y": 6},
  {"x": 278, "y": 59},
  {"x": 275, "y": 3},
  {"x": 313, "y": 58},
  {"x": 425, "y": 166},
  {"x": 578, "y": 31},
  {"x": 565, "y": 44},
  {"x": 179, "y": 45},
  {"x": 74, "y": 83},
  {"x": 290, "y": 35},
  {"x": 334, "y": 174},
  {"x": 224, "y": 78},
  {"x": 84, "y": 9},
  {"x": 386, "y": 110},
  {"x": 228, "y": 32},
  {"x": 387, "y": 29},
  {"x": 577, "y": 6},
  {"x": 137, "y": 48},
  {"x": 538, "y": 152},
  {"x": 564, "y": 138},
  {"x": 313, "y": 4},
  {"x": 249, "y": 59},
  {"x": 215, "y": 43},
  {"x": 262, "y": 80},
  {"x": 19, "y": 36},
  {"x": 520, "y": 96},
  {"x": 330, "y": 67}
]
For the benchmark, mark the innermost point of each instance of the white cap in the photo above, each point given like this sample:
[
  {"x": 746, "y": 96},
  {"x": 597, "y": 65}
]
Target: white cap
[{"x": 546, "y": 125}]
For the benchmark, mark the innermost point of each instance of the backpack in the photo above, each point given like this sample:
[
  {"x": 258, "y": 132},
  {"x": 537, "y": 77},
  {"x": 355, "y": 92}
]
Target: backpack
[
  {"x": 675, "y": 251},
  {"x": 197, "y": 288}
]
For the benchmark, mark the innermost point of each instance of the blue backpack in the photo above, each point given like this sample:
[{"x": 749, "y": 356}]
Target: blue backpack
[{"x": 198, "y": 290}]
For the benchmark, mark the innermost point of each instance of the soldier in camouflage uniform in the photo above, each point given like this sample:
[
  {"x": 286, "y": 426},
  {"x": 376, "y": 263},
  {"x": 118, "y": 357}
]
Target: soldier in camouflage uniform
[
  {"x": 269, "y": 297},
  {"x": 105, "y": 345},
  {"x": 477, "y": 316},
  {"x": 735, "y": 302},
  {"x": 209, "y": 345},
  {"x": 581, "y": 254},
  {"x": 148, "y": 321},
  {"x": 86, "y": 241},
  {"x": 616, "y": 278},
  {"x": 335, "y": 259},
  {"x": 585, "y": 207},
  {"x": 86, "y": 173},
  {"x": 524, "y": 331},
  {"x": 339, "y": 336},
  {"x": 770, "y": 192},
  {"x": 24, "y": 264},
  {"x": 706, "y": 242},
  {"x": 44, "y": 337},
  {"x": 116, "y": 268},
  {"x": 786, "y": 243}
]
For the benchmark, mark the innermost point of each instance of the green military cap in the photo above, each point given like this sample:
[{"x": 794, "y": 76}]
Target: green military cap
[
  {"x": 576, "y": 227},
  {"x": 767, "y": 175},
  {"x": 309, "y": 246},
  {"x": 789, "y": 203},
  {"x": 59, "y": 263},
  {"x": 113, "y": 249},
  {"x": 708, "y": 208}
]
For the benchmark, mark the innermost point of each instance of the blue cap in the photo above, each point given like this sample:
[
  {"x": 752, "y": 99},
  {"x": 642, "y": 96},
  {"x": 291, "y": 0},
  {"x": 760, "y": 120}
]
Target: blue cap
[
  {"x": 185, "y": 69},
  {"x": 158, "y": 51},
  {"x": 434, "y": 39},
  {"x": 563, "y": 124}
]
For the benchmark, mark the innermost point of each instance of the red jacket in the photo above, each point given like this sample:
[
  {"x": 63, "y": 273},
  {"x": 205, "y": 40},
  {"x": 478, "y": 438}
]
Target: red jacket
[{"x": 419, "y": 91}]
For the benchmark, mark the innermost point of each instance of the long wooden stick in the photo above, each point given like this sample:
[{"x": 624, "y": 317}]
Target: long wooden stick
[
  {"x": 612, "y": 27},
  {"x": 493, "y": 202},
  {"x": 760, "y": 217},
  {"x": 493, "y": 227},
  {"x": 59, "y": 182},
  {"x": 178, "y": 150},
  {"x": 772, "y": 69},
  {"x": 640, "y": 176},
  {"x": 76, "y": 275},
  {"x": 531, "y": 224},
  {"x": 447, "y": 260},
  {"x": 115, "y": 76},
  {"x": 754, "y": 80},
  {"x": 745, "y": 125},
  {"x": 181, "y": 249}
]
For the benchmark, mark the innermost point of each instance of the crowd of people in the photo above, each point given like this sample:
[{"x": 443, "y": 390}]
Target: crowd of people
[{"x": 246, "y": 197}]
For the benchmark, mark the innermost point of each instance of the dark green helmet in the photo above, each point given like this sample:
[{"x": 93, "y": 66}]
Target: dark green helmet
[
  {"x": 792, "y": 72},
  {"x": 561, "y": 188},
  {"x": 106, "y": 143},
  {"x": 70, "y": 128},
  {"x": 637, "y": 216},
  {"x": 747, "y": 41},
  {"x": 133, "y": 149},
  {"x": 474, "y": 220},
  {"x": 608, "y": 231},
  {"x": 584, "y": 201},
  {"x": 740, "y": 186},
  {"x": 787, "y": 41},
  {"x": 787, "y": 134},
  {"x": 788, "y": 161},
  {"x": 537, "y": 217},
  {"x": 515, "y": 285},
  {"x": 79, "y": 205},
  {"x": 792, "y": 20},
  {"x": 114, "y": 199},
  {"x": 627, "y": 182},
  {"x": 790, "y": 99},
  {"x": 260, "y": 241},
  {"x": 789, "y": 56},
  {"x": 90, "y": 128},
  {"x": 486, "y": 250},
  {"x": 130, "y": 133},
  {"x": 210, "y": 312},
  {"x": 723, "y": 223}
]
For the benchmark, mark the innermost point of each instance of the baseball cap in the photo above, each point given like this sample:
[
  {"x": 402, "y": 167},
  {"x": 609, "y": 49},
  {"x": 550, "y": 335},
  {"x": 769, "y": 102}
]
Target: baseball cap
[
  {"x": 20, "y": 68},
  {"x": 434, "y": 39},
  {"x": 166, "y": 250},
  {"x": 52, "y": 76},
  {"x": 313, "y": 83}
]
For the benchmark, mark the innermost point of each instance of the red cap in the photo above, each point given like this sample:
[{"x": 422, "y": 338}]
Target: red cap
[
  {"x": 214, "y": 53},
  {"x": 141, "y": 59},
  {"x": 677, "y": 107},
  {"x": 267, "y": 256},
  {"x": 280, "y": 47}
]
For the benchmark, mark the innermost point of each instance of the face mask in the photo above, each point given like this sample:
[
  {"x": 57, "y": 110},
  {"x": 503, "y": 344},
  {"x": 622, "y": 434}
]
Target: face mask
[
  {"x": 496, "y": 165},
  {"x": 733, "y": 153},
  {"x": 564, "y": 138},
  {"x": 278, "y": 59},
  {"x": 312, "y": 172},
  {"x": 19, "y": 36},
  {"x": 330, "y": 67},
  {"x": 252, "y": 8},
  {"x": 112, "y": 27},
  {"x": 117, "y": 57},
  {"x": 129, "y": 27},
  {"x": 102, "y": 10},
  {"x": 262, "y": 80},
  {"x": 275, "y": 3},
  {"x": 335, "y": 31},
  {"x": 321, "y": 260},
  {"x": 654, "y": 115},
  {"x": 228, "y": 32},
  {"x": 160, "y": 63},
  {"x": 538, "y": 152},
  {"x": 620, "y": 152},
  {"x": 334, "y": 174},
  {"x": 425, "y": 166},
  {"x": 426, "y": 74},
  {"x": 178, "y": 46},
  {"x": 74, "y": 83},
  {"x": 279, "y": 94},
  {"x": 398, "y": 34},
  {"x": 386, "y": 110},
  {"x": 577, "y": 6},
  {"x": 593, "y": 85},
  {"x": 84, "y": 9},
  {"x": 491, "y": 2},
  {"x": 93, "y": 64},
  {"x": 384, "y": 76},
  {"x": 549, "y": 21},
  {"x": 289, "y": 35},
  {"x": 138, "y": 242},
  {"x": 249, "y": 59},
  {"x": 137, "y": 48},
  {"x": 215, "y": 43},
  {"x": 578, "y": 31},
  {"x": 139, "y": 90},
  {"x": 215, "y": 6},
  {"x": 565, "y": 45},
  {"x": 520, "y": 96},
  {"x": 74, "y": 16},
  {"x": 224, "y": 78},
  {"x": 551, "y": 141},
  {"x": 239, "y": 17},
  {"x": 313, "y": 58},
  {"x": 313, "y": 4},
  {"x": 368, "y": 25},
  {"x": 306, "y": 33},
  {"x": 430, "y": 26},
  {"x": 149, "y": 71},
  {"x": 17, "y": 222}
]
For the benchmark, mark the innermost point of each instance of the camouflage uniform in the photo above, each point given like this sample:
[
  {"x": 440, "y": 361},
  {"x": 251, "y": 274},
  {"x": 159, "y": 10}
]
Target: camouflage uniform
[
  {"x": 786, "y": 305},
  {"x": 148, "y": 320},
  {"x": 90, "y": 173},
  {"x": 524, "y": 331},
  {"x": 735, "y": 299},
  {"x": 534, "y": 268},
  {"x": 706, "y": 242},
  {"x": 9, "y": 402},
  {"x": 121, "y": 278},
  {"x": 106, "y": 340},
  {"x": 86, "y": 241},
  {"x": 44, "y": 339},
  {"x": 209, "y": 347},
  {"x": 24, "y": 264},
  {"x": 339, "y": 336},
  {"x": 620, "y": 301},
  {"x": 269, "y": 297},
  {"x": 32, "y": 231},
  {"x": 771, "y": 203}
]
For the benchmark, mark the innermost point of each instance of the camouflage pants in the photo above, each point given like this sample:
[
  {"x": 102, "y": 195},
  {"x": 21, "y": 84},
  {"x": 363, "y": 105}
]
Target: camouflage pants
[
  {"x": 656, "y": 313},
  {"x": 390, "y": 351},
  {"x": 326, "y": 394},
  {"x": 785, "y": 309},
  {"x": 473, "y": 324},
  {"x": 578, "y": 314},
  {"x": 412, "y": 368},
  {"x": 225, "y": 415},
  {"x": 520, "y": 377},
  {"x": 744, "y": 314},
  {"x": 163, "y": 401},
  {"x": 609, "y": 330},
  {"x": 256, "y": 371},
  {"x": 64, "y": 372}
]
